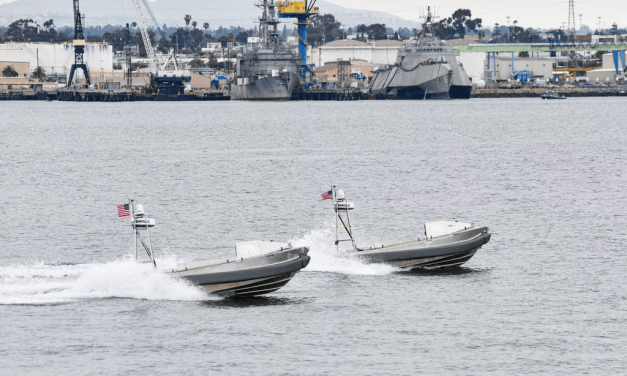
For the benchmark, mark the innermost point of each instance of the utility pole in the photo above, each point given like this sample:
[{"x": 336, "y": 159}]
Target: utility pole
[
  {"x": 129, "y": 57},
  {"x": 571, "y": 21}
]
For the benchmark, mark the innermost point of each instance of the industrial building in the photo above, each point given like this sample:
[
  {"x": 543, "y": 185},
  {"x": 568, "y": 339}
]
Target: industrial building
[
  {"x": 382, "y": 52},
  {"x": 57, "y": 59},
  {"x": 505, "y": 68}
]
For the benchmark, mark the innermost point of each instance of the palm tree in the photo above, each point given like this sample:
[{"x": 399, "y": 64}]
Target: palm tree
[
  {"x": 187, "y": 19},
  {"x": 206, "y": 26},
  {"x": 9, "y": 71},
  {"x": 39, "y": 72},
  {"x": 194, "y": 24}
]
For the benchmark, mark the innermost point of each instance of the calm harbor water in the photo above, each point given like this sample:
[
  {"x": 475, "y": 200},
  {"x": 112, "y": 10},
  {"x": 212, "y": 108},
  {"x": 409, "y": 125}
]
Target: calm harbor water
[{"x": 546, "y": 296}]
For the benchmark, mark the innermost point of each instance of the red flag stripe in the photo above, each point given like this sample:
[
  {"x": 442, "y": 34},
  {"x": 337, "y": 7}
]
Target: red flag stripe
[{"x": 123, "y": 211}]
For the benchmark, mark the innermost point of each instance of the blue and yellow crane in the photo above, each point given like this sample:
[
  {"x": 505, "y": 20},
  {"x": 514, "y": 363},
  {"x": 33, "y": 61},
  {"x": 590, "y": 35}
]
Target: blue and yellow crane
[{"x": 301, "y": 10}]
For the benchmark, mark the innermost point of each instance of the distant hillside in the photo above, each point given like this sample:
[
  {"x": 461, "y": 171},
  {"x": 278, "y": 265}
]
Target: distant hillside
[{"x": 171, "y": 12}]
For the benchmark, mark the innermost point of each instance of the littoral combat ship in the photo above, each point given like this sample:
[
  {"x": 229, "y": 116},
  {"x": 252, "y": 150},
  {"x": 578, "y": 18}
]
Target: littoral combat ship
[
  {"x": 267, "y": 70},
  {"x": 426, "y": 68}
]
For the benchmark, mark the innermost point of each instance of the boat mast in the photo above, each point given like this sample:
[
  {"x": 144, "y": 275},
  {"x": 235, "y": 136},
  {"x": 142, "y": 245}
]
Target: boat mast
[
  {"x": 152, "y": 253},
  {"x": 130, "y": 206},
  {"x": 341, "y": 205},
  {"x": 146, "y": 224}
]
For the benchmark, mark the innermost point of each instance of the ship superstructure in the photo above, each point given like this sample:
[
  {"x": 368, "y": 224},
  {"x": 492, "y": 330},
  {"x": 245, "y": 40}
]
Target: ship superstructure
[
  {"x": 426, "y": 68},
  {"x": 267, "y": 70}
]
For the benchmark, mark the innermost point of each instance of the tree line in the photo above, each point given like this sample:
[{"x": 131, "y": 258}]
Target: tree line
[
  {"x": 324, "y": 28},
  {"x": 184, "y": 39}
]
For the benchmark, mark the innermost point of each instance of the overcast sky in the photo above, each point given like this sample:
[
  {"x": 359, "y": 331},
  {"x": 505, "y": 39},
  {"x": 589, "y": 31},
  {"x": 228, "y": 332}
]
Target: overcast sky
[
  {"x": 537, "y": 13},
  {"x": 534, "y": 13}
]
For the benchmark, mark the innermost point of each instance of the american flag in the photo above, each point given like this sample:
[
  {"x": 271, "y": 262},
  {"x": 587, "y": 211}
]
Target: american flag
[
  {"x": 123, "y": 210},
  {"x": 327, "y": 195}
]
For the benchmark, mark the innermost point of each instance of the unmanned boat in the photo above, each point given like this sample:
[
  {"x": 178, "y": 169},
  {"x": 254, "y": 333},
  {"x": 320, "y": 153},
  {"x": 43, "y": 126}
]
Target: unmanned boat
[
  {"x": 443, "y": 244},
  {"x": 552, "y": 95},
  {"x": 259, "y": 267}
]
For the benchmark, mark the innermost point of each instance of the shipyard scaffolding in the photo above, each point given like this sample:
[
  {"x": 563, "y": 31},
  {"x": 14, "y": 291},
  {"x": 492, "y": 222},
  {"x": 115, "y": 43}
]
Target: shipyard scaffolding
[{"x": 302, "y": 11}]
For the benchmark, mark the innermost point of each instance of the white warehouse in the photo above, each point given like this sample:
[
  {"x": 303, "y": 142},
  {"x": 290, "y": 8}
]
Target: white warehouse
[
  {"x": 57, "y": 58},
  {"x": 381, "y": 52}
]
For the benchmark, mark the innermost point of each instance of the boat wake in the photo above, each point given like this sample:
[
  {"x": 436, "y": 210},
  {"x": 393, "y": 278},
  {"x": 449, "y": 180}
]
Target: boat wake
[
  {"x": 325, "y": 257},
  {"x": 41, "y": 284}
]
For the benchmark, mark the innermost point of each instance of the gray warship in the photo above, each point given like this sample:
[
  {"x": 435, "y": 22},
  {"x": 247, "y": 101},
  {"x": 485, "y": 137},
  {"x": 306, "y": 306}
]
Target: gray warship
[
  {"x": 426, "y": 68},
  {"x": 267, "y": 70}
]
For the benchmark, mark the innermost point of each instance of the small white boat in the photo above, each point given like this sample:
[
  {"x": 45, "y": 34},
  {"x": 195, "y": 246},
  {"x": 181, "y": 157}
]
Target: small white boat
[
  {"x": 443, "y": 244},
  {"x": 258, "y": 267}
]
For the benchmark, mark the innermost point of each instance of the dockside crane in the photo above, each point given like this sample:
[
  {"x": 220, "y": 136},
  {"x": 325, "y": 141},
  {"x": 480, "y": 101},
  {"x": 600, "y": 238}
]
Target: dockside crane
[
  {"x": 302, "y": 11},
  {"x": 79, "y": 47},
  {"x": 165, "y": 76},
  {"x": 158, "y": 62}
]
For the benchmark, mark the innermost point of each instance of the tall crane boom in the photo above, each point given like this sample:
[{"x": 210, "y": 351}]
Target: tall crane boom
[
  {"x": 158, "y": 62},
  {"x": 78, "y": 23},
  {"x": 154, "y": 19},
  {"x": 147, "y": 44},
  {"x": 79, "y": 47}
]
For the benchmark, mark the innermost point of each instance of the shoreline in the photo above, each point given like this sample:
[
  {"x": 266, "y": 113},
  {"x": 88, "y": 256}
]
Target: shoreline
[
  {"x": 617, "y": 91},
  {"x": 127, "y": 96}
]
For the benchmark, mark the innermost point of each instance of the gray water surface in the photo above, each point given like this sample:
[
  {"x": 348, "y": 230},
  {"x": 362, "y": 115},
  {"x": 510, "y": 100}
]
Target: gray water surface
[{"x": 546, "y": 296}]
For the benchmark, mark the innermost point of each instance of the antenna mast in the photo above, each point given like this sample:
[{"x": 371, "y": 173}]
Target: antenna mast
[{"x": 571, "y": 20}]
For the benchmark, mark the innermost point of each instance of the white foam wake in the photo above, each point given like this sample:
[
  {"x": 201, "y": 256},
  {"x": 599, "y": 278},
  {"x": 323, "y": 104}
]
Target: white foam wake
[
  {"x": 53, "y": 284},
  {"x": 325, "y": 257}
]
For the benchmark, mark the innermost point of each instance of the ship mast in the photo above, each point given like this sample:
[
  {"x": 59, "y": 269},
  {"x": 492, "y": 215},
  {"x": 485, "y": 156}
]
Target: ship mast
[
  {"x": 428, "y": 26},
  {"x": 268, "y": 24},
  {"x": 427, "y": 36}
]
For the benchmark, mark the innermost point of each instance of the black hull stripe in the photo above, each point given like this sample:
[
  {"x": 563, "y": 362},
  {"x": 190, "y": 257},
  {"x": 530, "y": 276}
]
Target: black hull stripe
[
  {"x": 441, "y": 262},
  {"x": 261, "y": 287}
]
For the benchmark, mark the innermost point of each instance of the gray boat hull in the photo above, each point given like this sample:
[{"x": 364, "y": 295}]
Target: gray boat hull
[
  {"x": 422, "y": 82},
  {"x": 439, "y": 252},
  {"x": 277, "y": 88},
  {"x": 245, "y": 277},
  {"x": 461, "y": 86}
]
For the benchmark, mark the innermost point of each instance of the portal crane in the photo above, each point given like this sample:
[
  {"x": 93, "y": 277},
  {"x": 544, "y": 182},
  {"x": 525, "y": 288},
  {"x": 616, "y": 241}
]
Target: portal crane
[
  {"x": 301, "y": 10},
  {"x": 79, "y": 47}
]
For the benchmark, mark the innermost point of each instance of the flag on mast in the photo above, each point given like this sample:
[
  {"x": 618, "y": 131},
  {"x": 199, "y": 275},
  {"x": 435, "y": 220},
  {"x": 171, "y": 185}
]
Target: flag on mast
[
  {"x": 327, "y": 195},
  {"x": 123, "y": 210}
]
